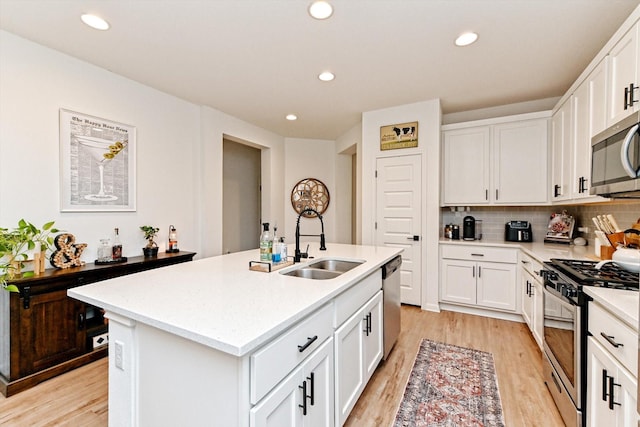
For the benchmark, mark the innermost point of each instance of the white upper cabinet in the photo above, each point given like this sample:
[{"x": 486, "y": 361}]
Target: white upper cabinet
[
  {"x": 497, "y": 161},
  {"x": 624, "y": 93},
  {"x": 466, "y": 166},
  {"x": 520, "y": 162}
]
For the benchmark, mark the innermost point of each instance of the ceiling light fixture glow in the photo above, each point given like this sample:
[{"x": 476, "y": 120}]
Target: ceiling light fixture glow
[
  {"x": 291, "y": 117},
  {"x": 466, "y": 39},
  {"x": 95, "y": 22},
  {"x": 326, "y": 76},
  {"x": 320, "y": 9}
]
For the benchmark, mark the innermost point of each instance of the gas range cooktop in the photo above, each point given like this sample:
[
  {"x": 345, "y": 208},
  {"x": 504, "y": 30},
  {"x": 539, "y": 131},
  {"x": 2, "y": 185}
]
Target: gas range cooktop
[{"x": 584, "y": 273}]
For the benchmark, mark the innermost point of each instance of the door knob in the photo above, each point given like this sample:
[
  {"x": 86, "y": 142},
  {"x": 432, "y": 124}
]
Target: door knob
[{"x": 414, "y": 238}]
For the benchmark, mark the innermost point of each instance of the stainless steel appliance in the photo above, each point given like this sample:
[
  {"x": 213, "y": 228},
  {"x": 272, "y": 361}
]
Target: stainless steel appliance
[
  {"x": 518, "y": 231},
  {"x": 615, "y": 160},
  {"x": 391, "y": 303},
  {"x": 565, "y": 328}
]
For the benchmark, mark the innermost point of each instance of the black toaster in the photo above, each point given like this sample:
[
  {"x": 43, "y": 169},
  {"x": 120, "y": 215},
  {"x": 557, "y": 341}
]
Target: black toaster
[{"x": 518, "y": 231}]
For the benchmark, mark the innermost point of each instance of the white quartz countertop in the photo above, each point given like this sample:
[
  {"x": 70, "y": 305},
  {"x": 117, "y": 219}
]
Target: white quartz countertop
[
  {"x": 622, "y": 304},
  {"x": 539, "y": 250},
  {"x": 220, "y": 303}
]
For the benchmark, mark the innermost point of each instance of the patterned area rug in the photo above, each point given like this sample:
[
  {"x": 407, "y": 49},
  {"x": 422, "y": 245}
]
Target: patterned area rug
[{"x": 450, "y": 386}]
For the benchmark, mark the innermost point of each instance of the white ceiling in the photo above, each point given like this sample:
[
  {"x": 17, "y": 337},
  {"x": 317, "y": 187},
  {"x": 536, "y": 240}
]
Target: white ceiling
[{"x": 258, "y": 59}]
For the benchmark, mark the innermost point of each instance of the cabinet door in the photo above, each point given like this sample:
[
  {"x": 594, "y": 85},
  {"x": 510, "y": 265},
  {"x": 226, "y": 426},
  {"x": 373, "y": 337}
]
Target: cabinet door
[
  {"x": 51, "y": 331},
  {"x": 520, "y": 162},
  {"x": 466, "y": 166},
  {"x": 581, "y": 172},
  {"x": 561, "y": 162},
  {"x": 497, "y": 285},
  {"x": 373, "y": 334},
  {"x": 304, "y": 398},
  {"x": 623, "y": 71},
  {"x": 598, "y": 82},
  {"x": 280, "y": 406},
  {"x": 458, "y": 281},
  {"x": 604, "y": 408},
  {"x": 349, "y": 365},
  {"x": 527, "y": 299},
  {"x": 538, "y": 312}
]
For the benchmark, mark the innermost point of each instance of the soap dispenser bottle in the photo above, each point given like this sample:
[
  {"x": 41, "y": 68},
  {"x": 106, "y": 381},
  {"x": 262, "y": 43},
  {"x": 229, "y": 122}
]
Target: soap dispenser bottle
[{"x": 266, "y": 243}]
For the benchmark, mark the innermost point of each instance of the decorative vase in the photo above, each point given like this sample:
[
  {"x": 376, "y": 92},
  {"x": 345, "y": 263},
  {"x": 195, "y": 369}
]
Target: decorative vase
[{"x": 150, "y": 252}]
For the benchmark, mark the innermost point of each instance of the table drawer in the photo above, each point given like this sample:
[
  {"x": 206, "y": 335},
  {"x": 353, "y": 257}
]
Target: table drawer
[
  {"x": 615, "y": 336},
  {"x": 479, "y": 253},
  {"x": 273, "y": 362}
]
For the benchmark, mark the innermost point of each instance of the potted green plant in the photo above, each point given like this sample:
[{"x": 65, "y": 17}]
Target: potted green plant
[
  {"x": 14, "y": 247},
  {"x": 151, "y": 250}
]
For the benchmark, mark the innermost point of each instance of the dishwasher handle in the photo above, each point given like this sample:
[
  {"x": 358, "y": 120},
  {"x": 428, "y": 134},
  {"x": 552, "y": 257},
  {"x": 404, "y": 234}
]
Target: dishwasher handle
[{"x": 390, "y": 267}]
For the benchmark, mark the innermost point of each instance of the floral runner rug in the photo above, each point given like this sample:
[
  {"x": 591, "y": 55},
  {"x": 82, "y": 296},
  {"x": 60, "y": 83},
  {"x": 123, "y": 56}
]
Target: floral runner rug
[{"x": 450, "y": 386}]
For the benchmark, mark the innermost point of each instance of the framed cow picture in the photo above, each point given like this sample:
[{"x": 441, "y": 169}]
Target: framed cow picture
[{"x": 402, "y": 135}]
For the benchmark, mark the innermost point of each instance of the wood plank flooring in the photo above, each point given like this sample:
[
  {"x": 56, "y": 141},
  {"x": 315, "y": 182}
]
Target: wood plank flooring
[{"x": 79, "y": 398}]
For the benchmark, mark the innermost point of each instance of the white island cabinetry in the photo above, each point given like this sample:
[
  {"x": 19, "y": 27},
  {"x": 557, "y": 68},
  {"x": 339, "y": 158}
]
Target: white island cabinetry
[{"x": 217, "y": 344}]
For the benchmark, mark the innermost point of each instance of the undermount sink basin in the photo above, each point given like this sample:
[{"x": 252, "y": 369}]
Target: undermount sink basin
[
  {"x": 323, "y": 269},
  {"x": 313, "y": 273},
  {"x": 335, "y": 265}
]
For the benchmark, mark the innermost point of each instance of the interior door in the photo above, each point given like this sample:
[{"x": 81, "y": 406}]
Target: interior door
[{"x": 399, "y": 216}]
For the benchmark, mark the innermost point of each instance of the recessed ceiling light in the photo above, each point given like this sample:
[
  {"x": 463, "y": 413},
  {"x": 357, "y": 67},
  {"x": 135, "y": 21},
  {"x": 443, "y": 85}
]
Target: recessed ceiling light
[
  {"x": 95, "y": 21},
  {"x": 466, "y": 39},
  {"x": 320, "y": 9},
  {"x": 291, "y": 117},
  {"x": 326, "y": 76}
]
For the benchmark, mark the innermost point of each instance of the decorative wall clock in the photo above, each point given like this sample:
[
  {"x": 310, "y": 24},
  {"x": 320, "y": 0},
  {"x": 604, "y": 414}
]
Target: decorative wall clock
[{"x": 310, "y": 193}]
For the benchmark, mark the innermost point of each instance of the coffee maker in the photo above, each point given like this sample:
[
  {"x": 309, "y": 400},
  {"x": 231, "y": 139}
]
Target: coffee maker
[{"x": 471, "y": 228}]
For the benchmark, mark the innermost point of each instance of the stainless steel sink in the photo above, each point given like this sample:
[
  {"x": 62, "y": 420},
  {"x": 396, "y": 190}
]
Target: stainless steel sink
[
  {"x": 323, "y": 269},
  {"x": 313, "y": 273},
  {"x": 335, "y": 265}
]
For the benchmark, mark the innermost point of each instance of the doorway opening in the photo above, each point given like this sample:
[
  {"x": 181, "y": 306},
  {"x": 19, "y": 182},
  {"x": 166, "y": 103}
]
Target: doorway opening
[{"x": 241, "y": 196}]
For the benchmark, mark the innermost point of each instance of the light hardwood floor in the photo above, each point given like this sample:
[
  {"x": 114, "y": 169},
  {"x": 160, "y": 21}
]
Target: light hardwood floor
[{"x": 79, "y": 398}]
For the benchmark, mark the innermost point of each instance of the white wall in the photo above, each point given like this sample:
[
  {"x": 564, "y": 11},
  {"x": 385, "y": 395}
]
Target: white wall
[
  {"x": 428, "y": 115},
  {"x": 179, "y": 151}
]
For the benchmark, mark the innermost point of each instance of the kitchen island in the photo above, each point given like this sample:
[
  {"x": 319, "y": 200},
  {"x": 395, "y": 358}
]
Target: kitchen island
[{"x": 203, "y": 344}]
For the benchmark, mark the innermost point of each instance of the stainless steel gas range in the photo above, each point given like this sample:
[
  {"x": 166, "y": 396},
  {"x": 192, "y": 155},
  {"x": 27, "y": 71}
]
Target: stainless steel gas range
[{"x": 565, "y": 328}]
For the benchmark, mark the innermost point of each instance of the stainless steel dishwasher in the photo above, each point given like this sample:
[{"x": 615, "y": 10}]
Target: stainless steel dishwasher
[{"x": 391, "y": 303}]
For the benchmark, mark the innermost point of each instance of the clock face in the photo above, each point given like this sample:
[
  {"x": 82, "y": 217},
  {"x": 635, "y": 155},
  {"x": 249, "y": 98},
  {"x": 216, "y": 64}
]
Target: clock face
[{"x": 310, "y": 193}]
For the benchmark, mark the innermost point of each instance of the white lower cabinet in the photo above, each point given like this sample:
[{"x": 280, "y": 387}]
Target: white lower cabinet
[
  {"x": 304, "y": 398},
  {"x": 533, "y": 306},
  {"x": 532, "y": 296},
  {"x": 612, "y": 361},
  {"x": 490, "y": 283},
  {"x": 611, "y": 390},
  {"x": 358, "y": 350}
]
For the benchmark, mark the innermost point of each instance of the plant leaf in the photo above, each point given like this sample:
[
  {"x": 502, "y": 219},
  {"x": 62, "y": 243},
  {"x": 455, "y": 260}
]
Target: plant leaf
[
  {"x": 11, "y": 288},
  {"x": 28, "y": 274},
  {"x": 48, "y": 225}
]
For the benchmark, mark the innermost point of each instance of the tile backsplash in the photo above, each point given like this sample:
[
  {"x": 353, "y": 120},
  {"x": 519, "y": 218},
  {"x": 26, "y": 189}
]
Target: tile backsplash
[{"x": 495, "y": 217}]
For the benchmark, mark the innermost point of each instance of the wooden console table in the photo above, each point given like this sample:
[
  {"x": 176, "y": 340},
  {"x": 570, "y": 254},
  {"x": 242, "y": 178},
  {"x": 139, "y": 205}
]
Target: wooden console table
[{"x": 44, "y": 333}]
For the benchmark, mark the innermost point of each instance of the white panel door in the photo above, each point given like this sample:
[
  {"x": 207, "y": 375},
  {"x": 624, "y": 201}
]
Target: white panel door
[{"x": 399, "y": 216}]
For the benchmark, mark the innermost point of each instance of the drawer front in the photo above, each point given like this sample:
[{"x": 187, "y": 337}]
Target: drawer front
[
  {"x": 616, "y": 337},
  {"x": 531, "y": 265},
  {"x": 273, "y": 362},
  {"x": 480, "y": 253},
  {"x": 355, "y": 297}
]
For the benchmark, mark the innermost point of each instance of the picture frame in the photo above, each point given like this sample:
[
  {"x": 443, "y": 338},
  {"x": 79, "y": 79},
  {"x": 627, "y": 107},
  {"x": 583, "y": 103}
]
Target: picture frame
[
  {"x": 97, "y": 164},
  {"x": 401, "y": 135}
]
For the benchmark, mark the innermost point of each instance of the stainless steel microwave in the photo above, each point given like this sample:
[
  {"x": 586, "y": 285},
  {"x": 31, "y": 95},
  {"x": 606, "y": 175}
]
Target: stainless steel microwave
[{"x": 615, "y": 160}]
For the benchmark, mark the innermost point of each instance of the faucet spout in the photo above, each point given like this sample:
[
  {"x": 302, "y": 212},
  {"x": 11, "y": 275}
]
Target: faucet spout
[{"x": 299, "y": 255}]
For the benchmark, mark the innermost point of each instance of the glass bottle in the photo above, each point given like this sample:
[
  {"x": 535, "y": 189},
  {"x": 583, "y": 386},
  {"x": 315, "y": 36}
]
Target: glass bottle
[{"x": 116, "y": 249}]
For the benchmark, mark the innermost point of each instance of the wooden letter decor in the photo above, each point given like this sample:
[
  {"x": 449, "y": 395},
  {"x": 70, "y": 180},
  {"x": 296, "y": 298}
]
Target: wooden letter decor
[{"x": 68, "y": 252}]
